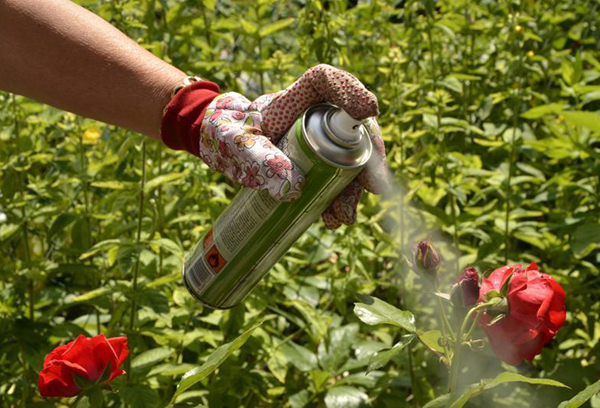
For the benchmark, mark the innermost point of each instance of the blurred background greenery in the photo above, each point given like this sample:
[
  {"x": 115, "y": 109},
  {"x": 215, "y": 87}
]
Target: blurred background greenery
[{"x": 488, "y": 110}]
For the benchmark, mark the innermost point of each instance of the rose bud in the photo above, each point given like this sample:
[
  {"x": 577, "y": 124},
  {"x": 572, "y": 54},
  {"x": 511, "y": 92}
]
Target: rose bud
[
  {"x": 536, "y": 310},
  {"x": 426, "y": 260},
  {"x": 466, "y": 292},
  {"x": 93, "y": 360}
]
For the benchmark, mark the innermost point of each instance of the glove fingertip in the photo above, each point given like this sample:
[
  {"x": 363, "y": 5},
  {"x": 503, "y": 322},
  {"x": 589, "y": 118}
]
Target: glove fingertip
[
  {"x": 330, "y": 220},
  {"x": 344, "y": 206}
]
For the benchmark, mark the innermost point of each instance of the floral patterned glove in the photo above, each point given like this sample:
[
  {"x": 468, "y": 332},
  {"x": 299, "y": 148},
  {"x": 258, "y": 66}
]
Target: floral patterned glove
[{"x": 238, "y": 137}]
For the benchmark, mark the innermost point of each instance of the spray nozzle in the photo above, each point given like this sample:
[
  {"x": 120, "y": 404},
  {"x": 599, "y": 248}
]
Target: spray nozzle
[{"x": 342, "y": 128}]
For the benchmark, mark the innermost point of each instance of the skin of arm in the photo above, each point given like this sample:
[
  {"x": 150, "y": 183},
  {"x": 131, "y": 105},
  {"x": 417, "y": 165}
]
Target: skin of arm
[{"x": 59, "y": 53}]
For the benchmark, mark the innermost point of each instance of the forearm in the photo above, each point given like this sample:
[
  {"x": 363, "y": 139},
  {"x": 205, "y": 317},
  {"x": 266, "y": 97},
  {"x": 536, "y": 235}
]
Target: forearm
[{"x": 58, "y": 53}]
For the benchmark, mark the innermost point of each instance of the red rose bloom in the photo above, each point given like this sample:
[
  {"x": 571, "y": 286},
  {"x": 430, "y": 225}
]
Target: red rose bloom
[
  {"x": 85, "y": 357},
  {"x": 536, "y": 310}
]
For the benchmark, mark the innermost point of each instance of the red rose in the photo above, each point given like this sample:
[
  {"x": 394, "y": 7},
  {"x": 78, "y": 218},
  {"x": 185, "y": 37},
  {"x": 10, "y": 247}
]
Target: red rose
[
  {"x": 85, "y": 357},
  {"x": 536, "y": 310}
]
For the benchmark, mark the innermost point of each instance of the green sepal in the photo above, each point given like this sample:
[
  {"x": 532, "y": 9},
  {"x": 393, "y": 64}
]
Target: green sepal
[
  {"x": 497, "y": 318},
  {"x": 81, "y": 382},
  {"x": 505, "y": 286},
  {"x": 491, "y": 295}
]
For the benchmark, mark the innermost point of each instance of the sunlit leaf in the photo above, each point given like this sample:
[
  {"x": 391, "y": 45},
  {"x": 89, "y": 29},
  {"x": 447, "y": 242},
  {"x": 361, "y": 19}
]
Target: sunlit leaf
[{"x": 375, "y": 311}]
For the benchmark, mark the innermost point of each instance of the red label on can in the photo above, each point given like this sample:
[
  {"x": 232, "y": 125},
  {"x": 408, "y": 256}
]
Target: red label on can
[{"x": 215, "y": 259}]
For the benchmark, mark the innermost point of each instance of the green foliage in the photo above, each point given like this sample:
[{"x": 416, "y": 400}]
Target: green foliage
[{"x": 489, "y": 111}]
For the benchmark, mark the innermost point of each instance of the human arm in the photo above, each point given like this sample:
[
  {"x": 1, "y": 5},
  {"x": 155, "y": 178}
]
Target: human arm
[{"x": 59, "y": 53}]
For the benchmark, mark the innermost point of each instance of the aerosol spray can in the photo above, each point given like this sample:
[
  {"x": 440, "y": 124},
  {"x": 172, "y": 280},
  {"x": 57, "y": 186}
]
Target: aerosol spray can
[{"x": 254, "y": 231}]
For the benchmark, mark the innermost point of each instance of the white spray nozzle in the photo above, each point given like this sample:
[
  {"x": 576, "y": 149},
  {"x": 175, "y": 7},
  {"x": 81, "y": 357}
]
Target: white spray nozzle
[{"x": 345, "y": 128}]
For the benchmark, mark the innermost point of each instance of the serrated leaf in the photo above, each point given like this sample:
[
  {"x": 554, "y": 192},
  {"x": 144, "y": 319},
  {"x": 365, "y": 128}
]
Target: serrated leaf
[
  {"x": 373, "y": 311},
  {"x": 582, "y": 397},
  {"x": 345, "y": 397},
  {"x": 214, "y": 360}
]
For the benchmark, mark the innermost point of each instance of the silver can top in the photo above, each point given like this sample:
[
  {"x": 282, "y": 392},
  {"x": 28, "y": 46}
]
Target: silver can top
[{"x": 336, "y": 137}]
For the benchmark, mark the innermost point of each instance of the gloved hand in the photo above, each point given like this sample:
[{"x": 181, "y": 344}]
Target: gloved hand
[{"x": 238, "y": 137}]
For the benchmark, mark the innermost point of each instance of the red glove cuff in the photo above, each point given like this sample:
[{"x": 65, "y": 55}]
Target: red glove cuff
[{"x": 180, "y": 127}]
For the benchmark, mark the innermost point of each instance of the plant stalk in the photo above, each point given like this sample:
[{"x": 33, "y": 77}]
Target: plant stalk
[{"x": 137, "y": 262}]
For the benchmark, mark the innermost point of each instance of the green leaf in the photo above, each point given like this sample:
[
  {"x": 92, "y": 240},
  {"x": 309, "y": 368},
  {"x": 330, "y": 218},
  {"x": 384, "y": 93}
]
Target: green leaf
[
  {"x": 300, "y": 400},
  {"x": 543, "y": 110},
  {"x": 139, "y": 396},
  {"x": 113, "y": 185},
  {"x": 93, "y": 294},
  {"x": 96, "y": 397},
  {"x": 334, "y": 353},
  {"x": 373, "y": 311},
  {"x": 579, "y": 399},
  {"x": 276, "y": 26},
  {"x": 163, "y": 179},
  {"x": 278, "y": 366},
  {"x": 502, "y": 378},
  {"x": 345, "y": 397},
  {"x": 8, "y": 230},
  {"x": 169, "y": 246},
  {"x": 585, "y": 239},
  {"x": 432, "y": 340},
  {"x": 249, "y": 28},
  {"x": 101, "y": 246},
  {"x": 319, "y": 378},
  {"x": 151, "y": 357},
  {"x": 589, "y": 120},
  {"x": 300, "y": 357},
  {"x": 438, "y": 402},
  {"x": 382, "y": 357},
  {"x": 214, "y": 360}
]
